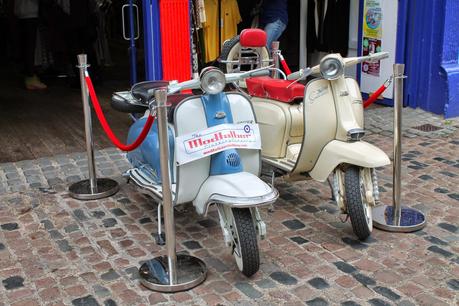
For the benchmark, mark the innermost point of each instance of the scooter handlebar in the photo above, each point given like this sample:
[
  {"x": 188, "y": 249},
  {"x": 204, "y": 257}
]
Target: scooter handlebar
[
  {"x": 256, "y": 73},
  {"x": 302, "y": 73},
  {"x": 372, "y": 57},
  {"x": 229, "y": 77},
  {"x": 175, "y": 87},
  {"x": 349, "y": 61}
]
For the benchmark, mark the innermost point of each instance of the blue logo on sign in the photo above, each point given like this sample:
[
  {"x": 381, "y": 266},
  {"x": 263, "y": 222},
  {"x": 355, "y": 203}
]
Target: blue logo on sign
[{"x": 247, "y": 128}]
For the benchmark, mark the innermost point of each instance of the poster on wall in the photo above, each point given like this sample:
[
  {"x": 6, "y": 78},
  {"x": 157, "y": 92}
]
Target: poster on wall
[
  {"x": 373, "y": 19},
  {"x": 371, "y": 45},
  {"x": 372, "y": 34},
  {"x": 379, "y": 22}
]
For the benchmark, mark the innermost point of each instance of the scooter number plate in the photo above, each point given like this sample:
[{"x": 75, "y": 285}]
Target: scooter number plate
[{"x": 216, "y": 139}]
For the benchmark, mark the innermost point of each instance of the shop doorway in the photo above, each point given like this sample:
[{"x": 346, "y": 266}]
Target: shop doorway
[{"x": 41, "y": 123}]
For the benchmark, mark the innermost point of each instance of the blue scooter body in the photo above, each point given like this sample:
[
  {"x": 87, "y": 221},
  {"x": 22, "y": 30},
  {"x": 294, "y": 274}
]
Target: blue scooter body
[{"x": 146, "y": 156}]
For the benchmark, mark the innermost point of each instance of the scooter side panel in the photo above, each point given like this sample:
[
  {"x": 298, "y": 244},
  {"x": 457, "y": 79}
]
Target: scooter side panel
[
  {"x": 190, "y": 117},
  {"x": 242, "y": 112},
  {"x": 319, "y": 123},
  {"x": 146, "y": 156},
  {"x": 274, "y": 122},
  {"x": 359, "y": 153}
]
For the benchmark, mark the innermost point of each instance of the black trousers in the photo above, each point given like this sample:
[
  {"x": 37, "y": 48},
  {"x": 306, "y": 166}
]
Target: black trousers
[
  {"x": 26, "y": 39},
  {"x": 81, "y": 40}
]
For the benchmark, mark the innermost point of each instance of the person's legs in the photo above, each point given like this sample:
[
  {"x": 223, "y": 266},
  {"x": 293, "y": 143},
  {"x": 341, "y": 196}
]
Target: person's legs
[
  {"x": 29, "y": 30},
  {"x": 274, "y": 31},
  {"x": 29, "y": 39}
]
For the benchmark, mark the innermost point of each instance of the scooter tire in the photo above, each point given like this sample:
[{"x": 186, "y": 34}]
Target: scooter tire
[
  {"x": 247, "y": 238},
  {"x": 354, "y": 203}
]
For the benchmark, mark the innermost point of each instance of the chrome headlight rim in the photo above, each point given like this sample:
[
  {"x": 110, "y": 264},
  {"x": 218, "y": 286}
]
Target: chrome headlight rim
[
  {"x": 337, "y": 65},
  {"x": 213, "y": 80}
]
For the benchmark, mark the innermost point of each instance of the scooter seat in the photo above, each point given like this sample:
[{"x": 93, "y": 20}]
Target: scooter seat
[
  {"x": 126, "y": 103},
  {"x": 144, "y": 91},
  {"x": 275, "y": 89},
  {"x": 253, "y": 38}
]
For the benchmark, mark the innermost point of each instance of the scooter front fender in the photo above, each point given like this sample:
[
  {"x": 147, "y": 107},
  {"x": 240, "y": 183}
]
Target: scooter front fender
[
  {"x": 359, "y": 153},
  {"x": 239, "y": 190}
]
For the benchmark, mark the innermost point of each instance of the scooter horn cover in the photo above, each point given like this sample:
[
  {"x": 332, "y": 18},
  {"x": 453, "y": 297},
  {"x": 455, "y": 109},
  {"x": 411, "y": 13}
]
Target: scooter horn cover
[{"x": 253, "y": 38}]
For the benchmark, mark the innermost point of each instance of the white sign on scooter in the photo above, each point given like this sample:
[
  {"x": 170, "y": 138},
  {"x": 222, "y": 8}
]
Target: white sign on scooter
[{"x": 216, "y": 139}]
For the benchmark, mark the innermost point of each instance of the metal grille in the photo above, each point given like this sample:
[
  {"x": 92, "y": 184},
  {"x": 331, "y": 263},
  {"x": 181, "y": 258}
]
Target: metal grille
[
  {"x": 427, "y": 128},
  {"x": 233, "y": 160}
]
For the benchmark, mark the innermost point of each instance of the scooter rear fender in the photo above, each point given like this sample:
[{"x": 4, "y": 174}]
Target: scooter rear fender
[
  {"x": 239, "y": 190},
  {"x": 359, "y": 153}
]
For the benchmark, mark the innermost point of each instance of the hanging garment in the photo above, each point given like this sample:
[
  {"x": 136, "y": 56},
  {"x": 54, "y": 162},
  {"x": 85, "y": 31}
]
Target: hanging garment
[
  {"x": 317, "y": 10},
  {"x": 290, "y": 39},
  {"x": 335, "y": 36},
  {"x": 328, "y": 26},
  {"x": 246, "y": 8},
  {"x": 230, "y": 17},
  {"x": 201, "y": 11}
]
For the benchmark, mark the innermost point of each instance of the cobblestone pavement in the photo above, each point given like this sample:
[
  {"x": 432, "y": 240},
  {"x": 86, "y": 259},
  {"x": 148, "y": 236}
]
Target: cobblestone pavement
[{"x": 58, "y": 251}]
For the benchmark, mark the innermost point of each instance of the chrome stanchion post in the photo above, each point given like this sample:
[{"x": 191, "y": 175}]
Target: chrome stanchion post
[
  {"x": 275, "y": 55},
  {"x": 92, "y": 188},
  {"x": 170, "y": 273},
  {"x": 397, "y": 168},
  {"x": 169, "y": 225},
  {"x": 396, "y": 218}
]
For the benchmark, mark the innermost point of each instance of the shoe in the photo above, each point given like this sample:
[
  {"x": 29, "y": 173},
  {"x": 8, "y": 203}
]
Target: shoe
[{"x": 34, "y": 83}]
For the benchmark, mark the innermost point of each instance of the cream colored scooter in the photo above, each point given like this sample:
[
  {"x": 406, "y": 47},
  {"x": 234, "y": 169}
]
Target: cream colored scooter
[{"x": 312, "y": 131}]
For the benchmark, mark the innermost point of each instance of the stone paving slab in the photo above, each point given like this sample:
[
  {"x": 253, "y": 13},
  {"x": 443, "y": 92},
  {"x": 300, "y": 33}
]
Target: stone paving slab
[{"x": 55, "y": 250}]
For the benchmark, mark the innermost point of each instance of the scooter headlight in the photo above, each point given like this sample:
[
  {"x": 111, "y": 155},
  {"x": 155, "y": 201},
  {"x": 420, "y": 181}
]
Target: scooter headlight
[
  {"x": 213, "y": 80},
  {"x": 331, "y": 67}
]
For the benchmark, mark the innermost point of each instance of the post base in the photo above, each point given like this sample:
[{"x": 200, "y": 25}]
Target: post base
[
  {"x": 411, "y": 220},
  {"x": 154, "y": 274},
  {"x": 82, "y": 190}
]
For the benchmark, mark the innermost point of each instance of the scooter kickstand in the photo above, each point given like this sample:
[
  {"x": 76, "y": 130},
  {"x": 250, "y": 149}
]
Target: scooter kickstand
[
  {"x": 331, "y": 189},
  {"x": 160, "y": 237},
  {"x": 271, "y": 206}
]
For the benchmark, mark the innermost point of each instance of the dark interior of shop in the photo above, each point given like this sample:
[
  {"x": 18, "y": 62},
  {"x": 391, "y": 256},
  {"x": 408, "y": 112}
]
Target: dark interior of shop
[
  {"x": 40, "y": 122},
  {"x": 44, "y": 122}
]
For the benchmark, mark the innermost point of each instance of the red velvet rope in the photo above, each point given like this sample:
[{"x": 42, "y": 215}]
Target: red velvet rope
[
  {"x": 284, "y": 65},
  {"x": 107, "y": 128},
  {"x": 371, "y": 99}
]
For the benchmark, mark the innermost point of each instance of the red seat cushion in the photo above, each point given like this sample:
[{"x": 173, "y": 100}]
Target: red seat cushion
[
  {"x": 276, "y": 89},
  {"x": 252, "y": 38}
]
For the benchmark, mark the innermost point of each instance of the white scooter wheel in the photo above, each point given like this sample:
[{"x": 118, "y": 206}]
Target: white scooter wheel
[
  {"x": 231, "y": 52},
  {"x": 358, "y": 209},
  {"x": 245, "y": 248}
]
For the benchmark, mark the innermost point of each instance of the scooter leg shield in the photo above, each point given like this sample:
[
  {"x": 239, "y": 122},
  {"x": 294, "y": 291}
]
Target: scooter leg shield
[
  {"x": 359, "y": 153},
  {"x": 239, "y": 190}
]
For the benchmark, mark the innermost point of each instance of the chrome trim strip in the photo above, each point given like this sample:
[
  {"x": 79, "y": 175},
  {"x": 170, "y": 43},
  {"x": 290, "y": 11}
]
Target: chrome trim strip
[
  {"x": 243, "y": 202},
  {"x": 146, "y": 186}
]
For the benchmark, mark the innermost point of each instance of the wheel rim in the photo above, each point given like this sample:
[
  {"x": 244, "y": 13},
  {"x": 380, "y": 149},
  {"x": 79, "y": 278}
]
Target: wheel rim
[
  {"x": 233, "y": 54},
  {"x": 368, "y": 215},
  {"x": 236, "y": 245},
  {"x": 365, "y": 204}
]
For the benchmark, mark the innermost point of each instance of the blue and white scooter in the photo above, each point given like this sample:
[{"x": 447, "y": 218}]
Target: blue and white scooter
[{"x": 214, "y": 146}]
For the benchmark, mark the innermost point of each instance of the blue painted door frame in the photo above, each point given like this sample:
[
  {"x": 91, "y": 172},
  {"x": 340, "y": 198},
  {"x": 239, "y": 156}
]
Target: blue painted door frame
[
  {"x": 431, "y": 55},
  {"x": 152, "y": 40}
]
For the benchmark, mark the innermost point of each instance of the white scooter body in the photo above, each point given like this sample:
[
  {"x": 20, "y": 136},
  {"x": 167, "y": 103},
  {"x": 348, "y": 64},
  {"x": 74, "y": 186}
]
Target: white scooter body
[
  {"x": 315, "y": 147},
  {"x": 232, "y": 184},
  {"x": 194, "y": 184},
  {"x": 320, "y": 134}
]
